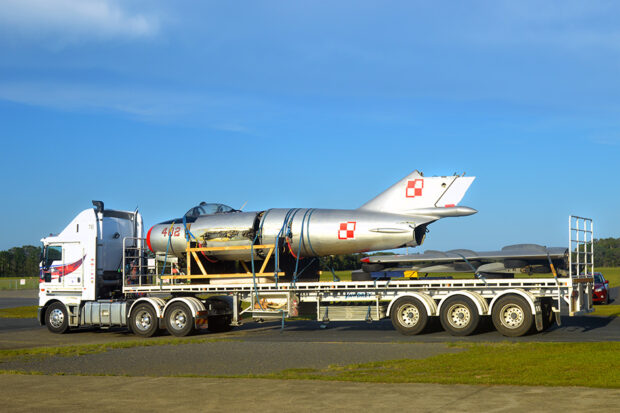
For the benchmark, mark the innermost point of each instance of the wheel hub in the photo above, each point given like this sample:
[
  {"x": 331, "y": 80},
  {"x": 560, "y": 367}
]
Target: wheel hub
[
  {"x": 458, "y": 316},
  {"x": 57, "y": 317},
  {"x": 179, "y": 319},
  {"x": 409, "y": 315},
  {"x": 143, "y": 321},
  {"x": 512, "y": 316}
]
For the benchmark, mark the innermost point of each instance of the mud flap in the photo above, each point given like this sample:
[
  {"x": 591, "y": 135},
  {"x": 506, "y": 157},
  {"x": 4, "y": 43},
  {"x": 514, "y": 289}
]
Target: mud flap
[{"x": 538, "y": 318}]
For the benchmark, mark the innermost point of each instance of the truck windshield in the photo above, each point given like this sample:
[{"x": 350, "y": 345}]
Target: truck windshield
[
  {"x": 208, "y": 209},
  {"x": 52, "y": 253}
]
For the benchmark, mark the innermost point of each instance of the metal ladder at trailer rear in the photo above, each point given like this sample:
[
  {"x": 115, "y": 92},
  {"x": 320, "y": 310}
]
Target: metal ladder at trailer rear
[{"x": 580, "y": 263}]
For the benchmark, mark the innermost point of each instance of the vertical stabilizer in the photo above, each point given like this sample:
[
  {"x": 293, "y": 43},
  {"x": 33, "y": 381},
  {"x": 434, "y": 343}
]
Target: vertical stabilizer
[{"x": 415, "y": 191}]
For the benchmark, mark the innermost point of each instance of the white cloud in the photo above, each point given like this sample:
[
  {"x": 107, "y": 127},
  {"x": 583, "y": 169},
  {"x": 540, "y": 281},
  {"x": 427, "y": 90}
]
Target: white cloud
[
  {"x": 158, "y": 106},
  {"x": 73, "y": 19}
]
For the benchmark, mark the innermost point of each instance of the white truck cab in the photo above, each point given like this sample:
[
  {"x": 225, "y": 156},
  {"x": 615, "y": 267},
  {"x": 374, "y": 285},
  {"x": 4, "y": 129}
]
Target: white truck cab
[{"x": 84, "y": 263}]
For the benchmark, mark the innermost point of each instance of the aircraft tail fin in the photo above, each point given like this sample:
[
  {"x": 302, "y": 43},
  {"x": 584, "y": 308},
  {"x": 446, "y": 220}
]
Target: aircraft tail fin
[{"x": 416, "y": 194}]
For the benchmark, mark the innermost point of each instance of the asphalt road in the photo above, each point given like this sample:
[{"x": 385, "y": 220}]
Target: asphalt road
[{"x": 18, "y": 298}]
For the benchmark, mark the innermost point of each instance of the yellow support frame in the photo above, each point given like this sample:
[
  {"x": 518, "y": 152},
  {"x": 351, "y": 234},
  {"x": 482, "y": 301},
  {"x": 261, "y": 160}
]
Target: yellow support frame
[{"x": 191, "y": 253}]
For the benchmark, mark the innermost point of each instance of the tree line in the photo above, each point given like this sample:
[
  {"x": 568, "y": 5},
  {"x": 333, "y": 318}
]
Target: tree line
[
  {"x": 20, "y": 261},
  {"x": 607, "y": 252}
]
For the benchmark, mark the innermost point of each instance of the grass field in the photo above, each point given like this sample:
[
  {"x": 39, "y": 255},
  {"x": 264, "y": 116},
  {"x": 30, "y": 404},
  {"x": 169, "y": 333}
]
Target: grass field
[
  {"x": 19, "y": 312},
  {"x": 534, "y": 364},
  {"x": 612, "y": 274},
  {"x": 13, "y": 283}
]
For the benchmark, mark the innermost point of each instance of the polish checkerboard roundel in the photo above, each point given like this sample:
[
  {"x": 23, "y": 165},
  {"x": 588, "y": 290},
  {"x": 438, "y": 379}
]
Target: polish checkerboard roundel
[
  {"x": 414, "y": 188},
  {"x": 347, "y": 230}
]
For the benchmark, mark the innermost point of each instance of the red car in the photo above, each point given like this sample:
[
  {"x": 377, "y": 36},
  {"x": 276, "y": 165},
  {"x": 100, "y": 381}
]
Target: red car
[{"x": 600, "y": 294}]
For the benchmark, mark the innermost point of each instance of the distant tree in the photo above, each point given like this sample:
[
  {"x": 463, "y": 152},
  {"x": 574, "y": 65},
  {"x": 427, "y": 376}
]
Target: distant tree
[
  {"x": 607, "y": 252},
  {"x": 20, "y": 261}
]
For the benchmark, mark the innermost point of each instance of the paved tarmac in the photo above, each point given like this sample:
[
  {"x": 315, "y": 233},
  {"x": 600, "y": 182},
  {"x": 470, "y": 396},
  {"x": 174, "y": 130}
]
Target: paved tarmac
[
  {"x": 146, "y": 394},
  {"x": 18, "y": 298},
  {"x": 226, "y": 358}
]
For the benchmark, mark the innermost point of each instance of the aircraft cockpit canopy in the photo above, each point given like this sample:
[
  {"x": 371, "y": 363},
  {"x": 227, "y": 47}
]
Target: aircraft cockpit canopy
[{"x": 208, "y": 209}]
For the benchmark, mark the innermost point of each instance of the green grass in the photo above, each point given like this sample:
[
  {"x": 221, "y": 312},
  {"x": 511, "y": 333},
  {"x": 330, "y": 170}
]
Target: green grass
[
  {"x": 12, "y": 283},
  {"x": 82, "y": 349},
  {"x": 343, "y": 275},
  {"x": 19, "y": 312},
  {"x": 532, "y": 364},
  {"x": 535, "y": 364},
  {"x": 610, "y": 310},
  {"x": 612, "y": 274}
]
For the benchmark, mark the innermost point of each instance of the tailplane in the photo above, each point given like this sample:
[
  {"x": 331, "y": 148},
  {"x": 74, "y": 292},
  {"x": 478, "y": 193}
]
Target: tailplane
[{"x": 418, "y": 195}]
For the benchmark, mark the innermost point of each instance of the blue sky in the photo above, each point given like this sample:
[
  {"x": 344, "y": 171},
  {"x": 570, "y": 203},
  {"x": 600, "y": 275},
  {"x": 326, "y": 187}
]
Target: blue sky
[{"x": 161, "y": 105}]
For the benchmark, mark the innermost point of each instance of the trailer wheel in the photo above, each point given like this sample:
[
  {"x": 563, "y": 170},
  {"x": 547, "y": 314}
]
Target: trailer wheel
[
  {"x": 144, "y": 320},
  {"x": 219, "y": 323},
  {"x": 57, "y": 318},
  {"x": 179, "y": 320},
  {"x": 512, "y": 316},
  {"x": 409, "y": 316},
  {"x": 459, "y": 316}
]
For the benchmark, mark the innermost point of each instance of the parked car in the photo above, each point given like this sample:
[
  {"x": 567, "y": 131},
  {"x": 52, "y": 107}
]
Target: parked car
[{"x": 600, "y": 294}]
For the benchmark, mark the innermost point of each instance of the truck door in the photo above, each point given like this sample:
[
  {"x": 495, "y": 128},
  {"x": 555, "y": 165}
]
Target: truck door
[{"x": 62, "y": 265}]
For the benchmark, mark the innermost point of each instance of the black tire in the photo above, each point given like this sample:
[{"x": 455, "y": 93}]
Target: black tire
[
  {"x": 179, "y": 320},
  {"x": 512, "y": 316},
  {"x": 368, "y": 267},
  {"x": 359, "y": 275},
  {"x": 409, "y": 316},
  {"x": 57, "y": 318},
  {"x": 459, "y": 316},
  {"x": 143, "y": 320},
  {"x": 219, "y": 323}
]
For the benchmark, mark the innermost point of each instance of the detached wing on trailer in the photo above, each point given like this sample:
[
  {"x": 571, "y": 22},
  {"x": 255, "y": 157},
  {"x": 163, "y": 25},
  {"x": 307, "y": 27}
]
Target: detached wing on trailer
[{"x": 521, "y": 258}]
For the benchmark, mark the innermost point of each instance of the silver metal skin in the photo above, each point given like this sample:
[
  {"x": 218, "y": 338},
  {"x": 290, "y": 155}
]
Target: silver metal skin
[
  {"x": 395, "y": 218},
  {"x": 311, "y": 232}
]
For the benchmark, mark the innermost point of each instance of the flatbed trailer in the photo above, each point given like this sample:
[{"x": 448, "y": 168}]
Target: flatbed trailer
[{"x": 146, "y": 300}]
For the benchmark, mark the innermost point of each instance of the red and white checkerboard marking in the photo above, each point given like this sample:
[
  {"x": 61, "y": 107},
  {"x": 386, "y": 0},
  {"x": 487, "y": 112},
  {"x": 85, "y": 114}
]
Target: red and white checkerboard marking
[
  {"x": 414, "y": 188},
  {"x": 347, "y": 230}
]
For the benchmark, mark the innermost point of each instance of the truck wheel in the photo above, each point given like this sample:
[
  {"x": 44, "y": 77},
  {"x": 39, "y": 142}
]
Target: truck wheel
[
  {"x": 512, "y": 316},
  {"x": 56, "y": 318},
  {"x": 219, "y": 324},
  {"x": 144, "y": 320},
  {"x": 179, "y": 320},
  {"x": 409, "y": 316},
  {"x": 459, "y": 316}
]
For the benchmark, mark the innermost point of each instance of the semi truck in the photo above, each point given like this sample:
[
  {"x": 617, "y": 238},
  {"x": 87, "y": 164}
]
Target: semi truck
[{"x": 98, "y": 272}]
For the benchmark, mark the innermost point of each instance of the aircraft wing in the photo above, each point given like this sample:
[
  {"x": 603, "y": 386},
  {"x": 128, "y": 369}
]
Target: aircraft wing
[{"x": 510, "y": 259}]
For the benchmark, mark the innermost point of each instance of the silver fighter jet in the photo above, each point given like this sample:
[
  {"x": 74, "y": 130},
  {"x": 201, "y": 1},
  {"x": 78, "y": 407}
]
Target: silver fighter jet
[{"x": 397, "y": 217}]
